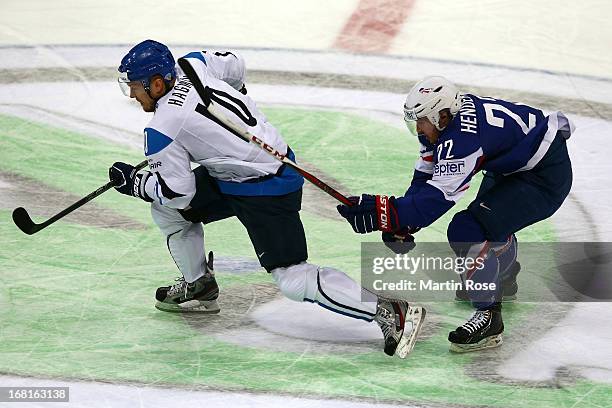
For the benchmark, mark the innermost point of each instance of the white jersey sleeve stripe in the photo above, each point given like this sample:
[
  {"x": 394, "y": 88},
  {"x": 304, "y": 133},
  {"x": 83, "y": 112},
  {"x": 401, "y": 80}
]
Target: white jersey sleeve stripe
[{"x": 425, "y": 162}]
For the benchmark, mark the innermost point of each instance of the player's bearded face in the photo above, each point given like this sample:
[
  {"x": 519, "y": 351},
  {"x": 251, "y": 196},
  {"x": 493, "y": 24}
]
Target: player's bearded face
[
  {"x": 138, "y": 92},
  {"x": 425, "y": 127}
]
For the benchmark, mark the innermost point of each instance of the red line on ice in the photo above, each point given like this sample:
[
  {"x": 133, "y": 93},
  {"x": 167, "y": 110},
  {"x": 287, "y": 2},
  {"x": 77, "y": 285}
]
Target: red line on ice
[{"x": 373, "y": 25}]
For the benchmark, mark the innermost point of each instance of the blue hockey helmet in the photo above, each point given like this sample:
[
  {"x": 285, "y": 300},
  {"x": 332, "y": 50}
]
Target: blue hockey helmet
[{"x": 142, "y": 62}]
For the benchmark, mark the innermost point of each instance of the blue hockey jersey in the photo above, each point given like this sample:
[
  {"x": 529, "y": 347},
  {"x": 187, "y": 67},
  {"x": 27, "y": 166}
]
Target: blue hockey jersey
[{"x": 486, "y": 134}]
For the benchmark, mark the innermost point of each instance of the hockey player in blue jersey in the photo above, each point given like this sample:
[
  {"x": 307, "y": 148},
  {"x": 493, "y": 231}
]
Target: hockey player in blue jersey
[{"x": 527, "y": 176}]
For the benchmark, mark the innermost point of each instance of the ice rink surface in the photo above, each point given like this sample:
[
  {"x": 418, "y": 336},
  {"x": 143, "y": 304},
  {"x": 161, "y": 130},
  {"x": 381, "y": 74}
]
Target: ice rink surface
[{"x": 76, "y": 300}]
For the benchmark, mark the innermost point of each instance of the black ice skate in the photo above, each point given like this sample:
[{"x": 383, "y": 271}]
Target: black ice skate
[
  {"x": 482, "y": 330},
  {"x": 199, "y": 296},
  {"x": 391, "y": 316},
  {"x": 509, "y": 286}
]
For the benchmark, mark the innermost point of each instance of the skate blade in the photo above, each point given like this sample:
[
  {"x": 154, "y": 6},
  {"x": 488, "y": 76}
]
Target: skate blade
[
  {"x": 505, "y": 298},
  {"x": 192, "y": 306},
  {"x": 489, "y": 342},
  {"x": 406, "y": 343}
]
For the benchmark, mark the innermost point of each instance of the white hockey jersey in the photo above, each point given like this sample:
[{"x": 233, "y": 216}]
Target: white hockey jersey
[
  {"x": 182, "y": 132},
  {"x": 224, "y": 65}
]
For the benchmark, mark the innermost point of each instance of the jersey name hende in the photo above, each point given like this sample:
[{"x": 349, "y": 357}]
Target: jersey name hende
[{"x": 467, "y": 115}]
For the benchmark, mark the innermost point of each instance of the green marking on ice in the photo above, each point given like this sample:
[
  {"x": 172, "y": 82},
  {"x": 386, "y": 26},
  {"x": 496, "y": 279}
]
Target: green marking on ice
[{"x": 77, "y": 301}]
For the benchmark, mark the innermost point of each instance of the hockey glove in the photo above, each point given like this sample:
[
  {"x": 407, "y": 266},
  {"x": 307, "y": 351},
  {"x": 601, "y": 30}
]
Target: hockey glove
[
  {"x": 129, "y": 181},
  {"x": 400, "y": 241},
  {"x": 371, "y": 213}
]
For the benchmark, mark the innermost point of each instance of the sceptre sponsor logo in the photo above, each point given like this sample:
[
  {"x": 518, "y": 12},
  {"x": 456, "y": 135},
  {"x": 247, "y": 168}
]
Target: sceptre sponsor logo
[{"x": 450, "y": 168}]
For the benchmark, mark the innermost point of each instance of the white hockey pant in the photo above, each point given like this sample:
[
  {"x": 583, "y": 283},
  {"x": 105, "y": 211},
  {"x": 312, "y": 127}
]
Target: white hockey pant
[{"x": 330, "y": 288}]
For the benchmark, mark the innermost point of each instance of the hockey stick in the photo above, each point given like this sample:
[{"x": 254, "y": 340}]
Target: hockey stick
[
  {"x": 211, "y": 108},
  {"x": 23, "y": 220}
]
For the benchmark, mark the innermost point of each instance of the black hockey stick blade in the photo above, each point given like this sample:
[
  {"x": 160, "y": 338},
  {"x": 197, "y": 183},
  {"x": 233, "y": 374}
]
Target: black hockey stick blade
[
  {"x": 24, "y": 222},
  {"x": 22, "y": 219}
]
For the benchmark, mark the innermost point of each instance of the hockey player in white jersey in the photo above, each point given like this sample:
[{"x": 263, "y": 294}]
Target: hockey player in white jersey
[{"x": 233, "y": 178}]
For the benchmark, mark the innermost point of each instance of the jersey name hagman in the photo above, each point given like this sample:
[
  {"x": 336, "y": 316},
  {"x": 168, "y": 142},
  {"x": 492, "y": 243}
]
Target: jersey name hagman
[{"x": 180, "y": 91}]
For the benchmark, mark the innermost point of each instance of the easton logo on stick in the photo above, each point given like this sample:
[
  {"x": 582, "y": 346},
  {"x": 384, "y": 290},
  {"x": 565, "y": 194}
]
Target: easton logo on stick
[{"x": 383, "y": 213}]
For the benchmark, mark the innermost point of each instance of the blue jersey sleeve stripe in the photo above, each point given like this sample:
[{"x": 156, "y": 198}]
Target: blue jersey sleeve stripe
[
  {"x": 155, "y": 141},
  {"x": 197, "y": 55}
]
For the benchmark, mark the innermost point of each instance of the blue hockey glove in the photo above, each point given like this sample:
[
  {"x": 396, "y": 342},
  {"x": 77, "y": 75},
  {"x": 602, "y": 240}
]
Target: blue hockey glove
[
  {"x": 127, "y": 180},
  {"x": 371, "y": 213},
  {"x": 400, "y": 241}
]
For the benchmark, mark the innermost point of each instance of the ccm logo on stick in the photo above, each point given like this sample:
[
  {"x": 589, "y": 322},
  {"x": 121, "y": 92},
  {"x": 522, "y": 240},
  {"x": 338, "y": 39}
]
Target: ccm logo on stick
[{"x": 267, "y": 147}]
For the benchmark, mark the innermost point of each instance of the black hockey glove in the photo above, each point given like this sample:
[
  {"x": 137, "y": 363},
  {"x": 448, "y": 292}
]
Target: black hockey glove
[
  {"x": 127, "y": 180},
  {"x": 371, "y": 213},
  {"x": 400, "y": 241}
]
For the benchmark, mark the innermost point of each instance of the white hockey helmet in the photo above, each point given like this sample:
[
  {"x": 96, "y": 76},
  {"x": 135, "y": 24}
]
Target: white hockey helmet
[{"x": 427, "y": 98}]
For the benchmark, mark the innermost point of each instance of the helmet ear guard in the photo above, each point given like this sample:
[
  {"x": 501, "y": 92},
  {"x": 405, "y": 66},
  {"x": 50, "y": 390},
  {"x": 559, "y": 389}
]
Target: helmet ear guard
[{"x": 428, "y": 98}]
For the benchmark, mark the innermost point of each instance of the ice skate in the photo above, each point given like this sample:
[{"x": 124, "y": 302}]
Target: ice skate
[
  {"x": 199, "y": 296},
  {"x": 482, "y": 330},
  {"x": 392, "y": 316}
]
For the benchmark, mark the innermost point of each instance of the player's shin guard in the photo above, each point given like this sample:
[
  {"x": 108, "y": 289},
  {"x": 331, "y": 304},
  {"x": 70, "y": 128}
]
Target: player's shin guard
[
  {"x": 186, "y": 246},
  {"x": 481, "y": 281},
  {"x": 329, "y": 288},
  {"x": 184, "y": 240},
  {"x": 506, "y": 253},
  {"x": 509, "y": 267}
]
